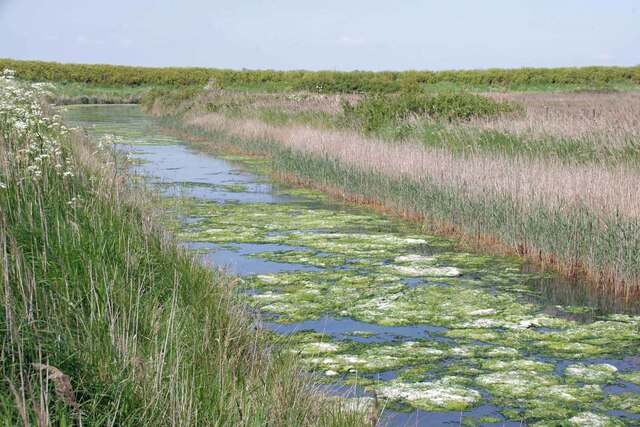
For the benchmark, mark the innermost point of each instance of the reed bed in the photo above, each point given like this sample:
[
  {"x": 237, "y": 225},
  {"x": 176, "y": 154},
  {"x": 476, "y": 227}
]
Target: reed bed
[
  {"x": 104, "y": 319},
  {"x": 581, "y": 216},
  {"x": 557, "y": 185},
  {"x": 545, "y": 126},
  {"x": 603, "y": 123}
]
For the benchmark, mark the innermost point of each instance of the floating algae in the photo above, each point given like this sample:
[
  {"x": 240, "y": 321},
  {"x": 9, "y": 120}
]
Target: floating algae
[
  {"x": 389, "y": 309},
  {"x": 445, "y": 394},
  {"x": 591, "y": 374}
]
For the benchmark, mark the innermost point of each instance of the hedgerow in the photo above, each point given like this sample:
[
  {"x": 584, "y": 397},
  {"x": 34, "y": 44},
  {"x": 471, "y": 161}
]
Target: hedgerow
[{"x": 317, "y": 81}]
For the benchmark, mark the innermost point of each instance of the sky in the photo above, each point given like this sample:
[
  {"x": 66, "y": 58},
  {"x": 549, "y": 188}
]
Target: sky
[{"x": 324, "y": 35}]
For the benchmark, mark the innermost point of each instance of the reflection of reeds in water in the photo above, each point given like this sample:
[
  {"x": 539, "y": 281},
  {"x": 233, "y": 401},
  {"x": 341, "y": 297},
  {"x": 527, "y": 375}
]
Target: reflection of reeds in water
[{"x": 561, "y": 294}]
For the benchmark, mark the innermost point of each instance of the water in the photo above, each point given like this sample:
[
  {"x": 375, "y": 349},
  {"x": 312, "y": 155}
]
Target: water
[{"x": 371, "y": 303}]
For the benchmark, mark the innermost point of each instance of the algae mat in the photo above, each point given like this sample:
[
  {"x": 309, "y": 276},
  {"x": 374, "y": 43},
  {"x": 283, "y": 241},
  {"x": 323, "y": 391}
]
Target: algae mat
[{"x": 371, "y": 304}]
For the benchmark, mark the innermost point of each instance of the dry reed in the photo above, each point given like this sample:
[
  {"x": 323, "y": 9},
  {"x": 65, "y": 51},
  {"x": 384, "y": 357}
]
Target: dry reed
[{"x": 555, "y": 184}]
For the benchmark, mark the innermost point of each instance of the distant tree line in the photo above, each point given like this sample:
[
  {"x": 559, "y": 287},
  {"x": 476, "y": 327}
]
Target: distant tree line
[{"x": 316, "y": 81}]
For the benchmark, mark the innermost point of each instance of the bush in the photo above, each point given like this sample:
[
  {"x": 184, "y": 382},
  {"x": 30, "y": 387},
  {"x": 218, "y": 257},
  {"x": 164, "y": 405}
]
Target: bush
[{"x": 376, "y": 112}]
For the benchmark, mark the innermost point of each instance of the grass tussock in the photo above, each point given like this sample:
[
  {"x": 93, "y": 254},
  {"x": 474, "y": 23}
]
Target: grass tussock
[
  {"x": 104, "y": 320},
  {"x": 580, "y": 214}
]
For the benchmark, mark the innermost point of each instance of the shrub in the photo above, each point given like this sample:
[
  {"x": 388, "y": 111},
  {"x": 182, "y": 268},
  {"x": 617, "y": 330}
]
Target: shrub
[{"x": 375, "y": 112}]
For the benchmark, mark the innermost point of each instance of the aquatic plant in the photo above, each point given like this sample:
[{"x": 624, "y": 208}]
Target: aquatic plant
[{"x": 480, "y": 322}]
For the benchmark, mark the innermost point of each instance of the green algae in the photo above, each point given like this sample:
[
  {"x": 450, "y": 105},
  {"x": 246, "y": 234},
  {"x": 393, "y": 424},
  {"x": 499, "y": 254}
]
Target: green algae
[
  {"x": 311, "y": 258},
  {"x": 445, "y": 394},
  {"x": 518, "y": 365},
  {"x": 536, "y": 385},
  {"x": 480, "y": 421},
  {"x": 360, "y": 381},
  {"x": 365, "y": 334},
  {"x": 372, "y": 358},
  {"x": 594, "y": 420},
  {"x": 629, "y": 402},
  {"x": 591, "y": 374},
  {"x": 632, "y": 377},
  {"x": 377, "y": 272}
]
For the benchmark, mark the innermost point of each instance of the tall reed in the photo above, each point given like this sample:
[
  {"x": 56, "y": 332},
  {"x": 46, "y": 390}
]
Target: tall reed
[{"x": 578, "y": 217}]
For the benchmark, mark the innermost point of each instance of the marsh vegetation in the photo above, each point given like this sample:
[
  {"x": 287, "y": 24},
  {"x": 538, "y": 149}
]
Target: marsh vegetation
[
  {"x": 372, "y": 304},
  {"x": 456, "y": 314},
  {"x": 543, "y": 175}
]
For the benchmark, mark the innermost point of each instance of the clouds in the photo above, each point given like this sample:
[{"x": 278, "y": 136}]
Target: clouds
[
  {"x": 349, "y": 41},
  {"x": 284, "y": 34},
  {"x": 84, "y": 41},
  {"x": 124, "y": 43}
]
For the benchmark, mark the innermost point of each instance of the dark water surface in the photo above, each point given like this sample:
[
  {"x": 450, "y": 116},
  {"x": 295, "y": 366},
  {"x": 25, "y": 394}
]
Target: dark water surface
[{"x": 444, "y": 336}]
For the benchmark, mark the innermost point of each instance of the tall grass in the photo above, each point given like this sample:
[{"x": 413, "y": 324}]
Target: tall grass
[
  {"x": 82, "y": 93},
  {"x": 583, "y": 218},
  {"x": 103, "y": 319},
  {"x": 577, "y": 128},
  {"x": 556, "y": 184}
]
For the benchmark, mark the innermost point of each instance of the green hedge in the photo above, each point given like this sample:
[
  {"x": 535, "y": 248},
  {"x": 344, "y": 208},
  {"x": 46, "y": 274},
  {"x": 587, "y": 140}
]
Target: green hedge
[
  {"x": 377, "y": 111},
  {"x": 324, "y": 81}
]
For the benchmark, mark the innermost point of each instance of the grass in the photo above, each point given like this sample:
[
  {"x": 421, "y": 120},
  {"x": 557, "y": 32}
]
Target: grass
[
  {"x": 555, "y": 206},
  {"x": 375, "y": 112},
  {"x": 82, "y": 93},
  {"x": 104, "y": 319},
  {"x": 574, "y": 128},
  {"x": 449, "y": 86}
]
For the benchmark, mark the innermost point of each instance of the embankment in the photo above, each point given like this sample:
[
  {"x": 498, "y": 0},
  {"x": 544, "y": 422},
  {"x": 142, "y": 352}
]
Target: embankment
[{"x": 104, "y": 319}]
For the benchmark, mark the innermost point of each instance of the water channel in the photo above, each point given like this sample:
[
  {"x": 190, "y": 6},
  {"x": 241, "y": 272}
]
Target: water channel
[{"x": 369, "y": 302}]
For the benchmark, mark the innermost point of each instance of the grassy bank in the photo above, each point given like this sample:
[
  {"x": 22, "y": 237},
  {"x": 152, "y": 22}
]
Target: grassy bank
[
  {"x": 556, "y": 207},
  {"x": 82, "y": 93},
  {"x": 104, "y": 319},
  {"x": 525, "y": 79}
]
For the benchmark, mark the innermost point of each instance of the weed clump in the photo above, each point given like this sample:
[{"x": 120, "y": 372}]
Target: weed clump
[{"x": 375, "y": 112}]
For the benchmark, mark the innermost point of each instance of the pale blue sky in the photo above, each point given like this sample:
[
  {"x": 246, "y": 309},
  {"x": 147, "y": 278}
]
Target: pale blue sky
[{"x": 329, "y": 34}]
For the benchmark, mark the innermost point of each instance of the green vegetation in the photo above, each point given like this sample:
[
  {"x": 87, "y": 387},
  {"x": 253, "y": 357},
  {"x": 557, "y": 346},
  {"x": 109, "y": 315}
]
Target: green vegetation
[
  {"x": 371, "y": 292},
  {"x": 104, "y": 320},
  {"x": 492, "y": 337},
  {"x": 375, "y": 112},
  {"x": 582, "y": 128},
  {"x": 604, "y": 243},
  {"x": 83, "y": 93},
  {"x": 330, "y": 81}
]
